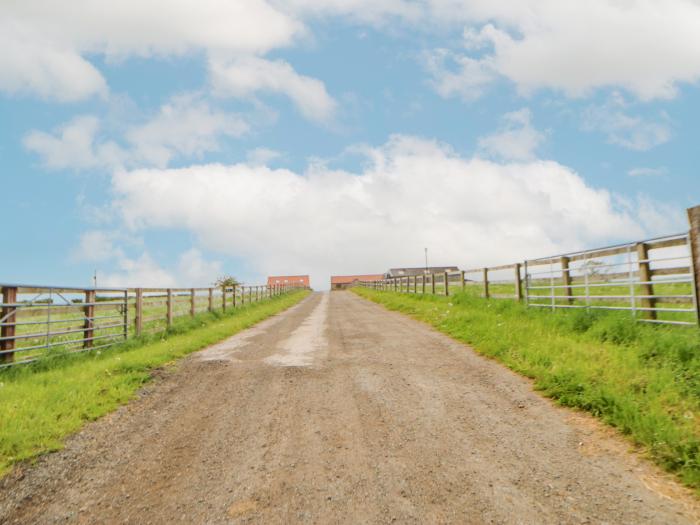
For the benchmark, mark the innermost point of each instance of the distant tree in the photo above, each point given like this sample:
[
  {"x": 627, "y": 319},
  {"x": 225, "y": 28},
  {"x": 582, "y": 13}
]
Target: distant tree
[
  {"x": 593, "y": 268},
  {"x": 226, "y": 281}
]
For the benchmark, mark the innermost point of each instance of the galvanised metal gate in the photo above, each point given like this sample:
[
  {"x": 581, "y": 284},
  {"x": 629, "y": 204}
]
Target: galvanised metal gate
[{"x": 653, "y": 280}]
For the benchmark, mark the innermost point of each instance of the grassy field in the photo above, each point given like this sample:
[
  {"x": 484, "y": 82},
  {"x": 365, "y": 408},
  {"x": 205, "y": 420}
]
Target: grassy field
[
  {"x": 42, "y": 403},
  {"x": 67, "y": 329},
  {"x": 642, "y": 379},
  {"x": 598, "y": 292}
]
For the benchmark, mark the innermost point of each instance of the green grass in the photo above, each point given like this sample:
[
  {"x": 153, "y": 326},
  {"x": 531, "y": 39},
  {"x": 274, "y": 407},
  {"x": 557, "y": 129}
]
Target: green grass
[
  {"x": 597, "y": 294},
  {"x": 71, "y": 317},
  {"x": 42, "y": 403},
  {"x": 642, "y": 379}
]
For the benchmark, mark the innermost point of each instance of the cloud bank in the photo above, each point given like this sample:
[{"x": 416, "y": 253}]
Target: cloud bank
[
  {"x": 645, "y": 47},
  {"x": 414, "y": 193}
]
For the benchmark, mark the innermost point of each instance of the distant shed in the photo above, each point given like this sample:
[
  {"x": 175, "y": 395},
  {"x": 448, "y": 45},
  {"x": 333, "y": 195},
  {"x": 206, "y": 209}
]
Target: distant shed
[
  {"x": 412, "y": 272},
  {"x": 290, "y": 280},
  {"x": 341, "y": 282}
]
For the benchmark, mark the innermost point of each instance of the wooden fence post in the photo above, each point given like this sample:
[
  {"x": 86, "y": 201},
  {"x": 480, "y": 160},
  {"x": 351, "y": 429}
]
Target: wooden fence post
[
  {"x": 422, "y": 282},
  {"x": 447, "y": 284},
  {"x": 566, "y": 279},
  {"x": 223, "y": 298},
  {"x": 250, "y": 294},
  {"x": 694, "y": 220},
  {"x": 645, "y": 277},
  {"x": 193, "y": 306},
  {"x": 89, "y": 314},
  {"x": 9, "y": 318},
  {"x": 210, "y": 307},
  {"x": 169, "y": 308},
  {"x": 415, "y": 284},
  {"x": 432, "y": 283},
  {"x": 464, "y": 281},
  {"x": 138, "y": 320},
  {"x": 486, "y": 283},
  {"x": 518, "y": 283}
]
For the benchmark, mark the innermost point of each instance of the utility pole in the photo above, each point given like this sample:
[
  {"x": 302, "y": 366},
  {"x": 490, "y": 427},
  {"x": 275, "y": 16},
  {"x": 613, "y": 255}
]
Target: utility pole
[
  {"x": 426, "y": 260},
  {"x": 94, "y": 279}
]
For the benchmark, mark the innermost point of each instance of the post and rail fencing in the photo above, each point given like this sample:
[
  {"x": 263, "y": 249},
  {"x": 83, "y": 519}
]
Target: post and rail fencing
[
  {"x": 656, "y": 280},
  {"x": 41, "y": 321}
]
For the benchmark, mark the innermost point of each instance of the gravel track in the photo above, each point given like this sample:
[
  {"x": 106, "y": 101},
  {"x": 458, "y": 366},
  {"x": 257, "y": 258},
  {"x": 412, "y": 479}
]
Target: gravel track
[{"x": 338, "y": 411}]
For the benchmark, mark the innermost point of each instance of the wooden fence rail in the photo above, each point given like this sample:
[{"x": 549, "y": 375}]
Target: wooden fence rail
[
  {"x": 656, "y": 280},
  {"x": 40, "y": 321}
]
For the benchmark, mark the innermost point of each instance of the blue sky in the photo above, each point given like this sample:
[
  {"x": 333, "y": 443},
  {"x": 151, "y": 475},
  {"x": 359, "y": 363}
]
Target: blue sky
[{"x": 338, "y": 137}]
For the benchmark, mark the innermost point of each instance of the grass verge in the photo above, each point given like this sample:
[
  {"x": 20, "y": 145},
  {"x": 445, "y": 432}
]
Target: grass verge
[
  {"x": 644, "y": 380},
  {"x": 42, "y": 403}
]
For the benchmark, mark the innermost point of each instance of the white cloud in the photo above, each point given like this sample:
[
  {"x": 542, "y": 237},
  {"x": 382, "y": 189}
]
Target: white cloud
[
  {"x": 243, "y": 77},
  {"x": 141, "y": 271},
  {"x": 623, "y": 129},
  {"x": 103, "y": 247},
  {"x": 458, "y": 75},
  {"x": 30, "y": 62},
  {"x": 365, "y": 11},
  {"x": 45, "y": 43},
  {"x": 262, "y": 156},
  {"x": 185, "y": 127},
  {"x": 644, "y": 46},
  {"x": 97, "y": 245},
  {"x": 414, "y": 193},
  {"x": 660, "y": 219},
  {"x": 194, "y": 270},
  {"x": 74, "y": 145},
  {"x": 648, "y": 172},
  {"x": 516, "y": 140}
]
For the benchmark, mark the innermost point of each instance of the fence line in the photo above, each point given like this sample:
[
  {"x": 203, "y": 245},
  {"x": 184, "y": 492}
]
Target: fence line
[
  {"x": 656, "y": 280},
  {"x": 39, "y": 321}
]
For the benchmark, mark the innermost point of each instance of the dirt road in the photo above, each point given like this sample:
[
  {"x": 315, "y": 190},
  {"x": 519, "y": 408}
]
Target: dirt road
[{"x": 338, "y": 411}]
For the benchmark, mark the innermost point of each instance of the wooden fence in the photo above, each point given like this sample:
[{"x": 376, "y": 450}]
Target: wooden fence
[
  {"x": 656, "y": 280},
  {"x": 40, "y": 321}
]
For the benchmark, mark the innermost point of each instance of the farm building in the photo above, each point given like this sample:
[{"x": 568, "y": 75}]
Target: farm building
[
  {"x": 294, "y": 280},
  {"x": 411, "y": 272},
  {"x": 341, "y": 282}
]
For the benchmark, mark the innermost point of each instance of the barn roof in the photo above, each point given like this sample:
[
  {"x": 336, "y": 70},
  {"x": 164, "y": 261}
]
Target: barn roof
[{"x": 422, "y": 270}]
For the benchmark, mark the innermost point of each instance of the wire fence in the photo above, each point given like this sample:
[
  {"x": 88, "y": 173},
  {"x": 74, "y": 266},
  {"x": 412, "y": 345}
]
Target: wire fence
[
  {"x": 655, "y": 280},
  {"x": 42, "y": 321}
]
